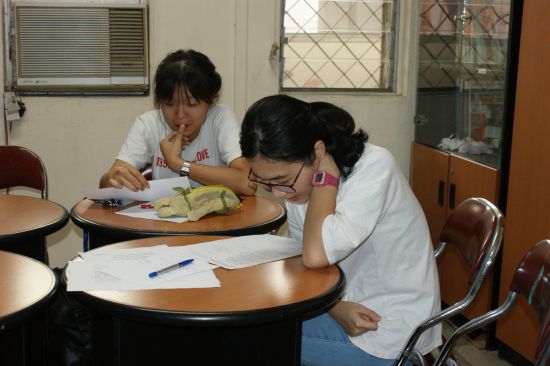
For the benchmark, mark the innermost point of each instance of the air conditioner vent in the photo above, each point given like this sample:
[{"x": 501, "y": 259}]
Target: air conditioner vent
[
  {"x": 80, "y": 48},
  {"x": 126, "y": 41}
]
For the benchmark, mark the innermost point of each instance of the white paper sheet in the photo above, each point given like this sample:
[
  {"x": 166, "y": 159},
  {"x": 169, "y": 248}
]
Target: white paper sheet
[
  {"x": 84, "y": 276},
  {"x": 128, "y": 269},
  {"x": 157, "y": 189},
  {"x": 244, "y": 251},
  {"x": 149, "y": 213}
]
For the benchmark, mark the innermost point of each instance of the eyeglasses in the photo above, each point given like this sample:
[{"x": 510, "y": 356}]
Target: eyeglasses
[{"x": 285, "y": 188}]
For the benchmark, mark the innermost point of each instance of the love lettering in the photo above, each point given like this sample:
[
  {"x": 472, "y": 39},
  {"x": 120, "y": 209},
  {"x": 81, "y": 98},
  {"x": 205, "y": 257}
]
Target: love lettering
[{"x": 201, "y": 155}]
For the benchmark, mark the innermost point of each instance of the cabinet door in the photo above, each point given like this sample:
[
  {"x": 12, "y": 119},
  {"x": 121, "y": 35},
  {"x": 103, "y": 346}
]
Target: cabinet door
[
  {"x": 429, "y": 182},
  {"x": 528, "y": 200},
  {"x": 462, "y": 63},
  {"x": 440, "y": 182},
  {"x": 470, "y": 179},
  {"x": 429, "y": 171},
  {"x": 466, "y": 179}
]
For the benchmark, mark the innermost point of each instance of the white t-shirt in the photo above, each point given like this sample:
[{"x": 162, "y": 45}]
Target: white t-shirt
[
  {"x": 380, "y": 239},
  {"x": 217, "y": 143}
]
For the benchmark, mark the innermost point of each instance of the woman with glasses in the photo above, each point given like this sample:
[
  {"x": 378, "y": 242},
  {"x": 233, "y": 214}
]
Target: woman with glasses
[
  {"x": 188, "y": 134},
  {"x": 349, "y": 203}
]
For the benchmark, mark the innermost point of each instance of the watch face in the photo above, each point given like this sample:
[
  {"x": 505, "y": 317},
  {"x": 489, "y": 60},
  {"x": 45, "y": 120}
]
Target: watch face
[
  {"x": 319, "y": 177},
  {"x": 322, "y": 178},
  {"x": 184, "y": 171}
]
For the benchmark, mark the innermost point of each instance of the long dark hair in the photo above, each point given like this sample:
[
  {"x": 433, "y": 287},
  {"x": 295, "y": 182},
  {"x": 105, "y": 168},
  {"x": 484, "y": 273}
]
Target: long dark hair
[
  {"x": 284, "y": 128},
  {"x": 190, "y": 70}
]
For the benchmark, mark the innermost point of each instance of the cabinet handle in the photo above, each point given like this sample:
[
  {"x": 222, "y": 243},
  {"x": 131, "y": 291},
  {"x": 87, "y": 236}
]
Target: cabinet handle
[
  {"x": 420, "y": 120},
  {"x": 441, "y": 193},
  {"x": 452, "y": 196}
]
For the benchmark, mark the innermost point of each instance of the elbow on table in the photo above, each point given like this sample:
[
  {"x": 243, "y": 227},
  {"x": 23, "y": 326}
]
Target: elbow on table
[
  {"x": 315, "y": 261},
  {"x": 246, "y": 190}
]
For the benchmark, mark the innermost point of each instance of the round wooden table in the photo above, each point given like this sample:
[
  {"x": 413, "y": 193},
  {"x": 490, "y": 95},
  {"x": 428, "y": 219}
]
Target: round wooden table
[
  {"x": 26, "y": 288},
  {"x": 257, "y": 215},
  {"x": 255, "y": 317},
  {"x": 25, "y": 222}
]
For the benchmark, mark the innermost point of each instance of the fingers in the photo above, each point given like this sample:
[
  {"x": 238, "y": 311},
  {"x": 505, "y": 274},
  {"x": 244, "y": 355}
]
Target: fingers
[
  {"x": 355, "y": 318},
  {"x": 171, "y": 136},
  {"x": 127, "y": 181},
  {"x": 369, "y": 313},
  {"x": 184, "y": 139},
  {"x": 135, "y": 181},
  {"x": 139, "y": 181},
  {"x": 368, "y": 318},
  {"x": 367, "y": 323},
  {"x": 124, "y": 175},
  {"x": 115, "y": 183}
]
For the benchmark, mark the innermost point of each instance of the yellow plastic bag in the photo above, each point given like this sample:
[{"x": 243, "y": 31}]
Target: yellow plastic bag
[{"x": 197, "y": 202}]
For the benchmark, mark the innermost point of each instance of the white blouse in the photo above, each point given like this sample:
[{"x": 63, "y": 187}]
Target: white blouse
[{"x": 380, "y": 239}]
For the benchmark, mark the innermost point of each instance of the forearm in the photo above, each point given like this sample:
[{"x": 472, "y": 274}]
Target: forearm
[
  {"x": 233, "y": 177},
  {"x": 322, "y": 203},
  {"x": 230, "y": 177}
]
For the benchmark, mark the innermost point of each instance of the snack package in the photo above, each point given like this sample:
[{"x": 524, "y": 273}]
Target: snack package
[{"x": 197, "y": 202}]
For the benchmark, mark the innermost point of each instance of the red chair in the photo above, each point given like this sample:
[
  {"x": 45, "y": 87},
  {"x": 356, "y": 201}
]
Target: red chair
[
  {"x": 532, "y": 280},
  {"x": 21, "y": 167},
  {"x": 475, "y": 227}
]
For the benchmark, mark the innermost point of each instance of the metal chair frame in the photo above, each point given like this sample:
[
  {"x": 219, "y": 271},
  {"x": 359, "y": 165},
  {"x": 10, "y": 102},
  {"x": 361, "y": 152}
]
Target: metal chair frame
[{"x": 480, "y": 268}]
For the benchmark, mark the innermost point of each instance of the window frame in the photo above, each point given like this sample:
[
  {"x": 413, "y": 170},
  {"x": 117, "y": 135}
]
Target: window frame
[{"x": 393, "y": 84}]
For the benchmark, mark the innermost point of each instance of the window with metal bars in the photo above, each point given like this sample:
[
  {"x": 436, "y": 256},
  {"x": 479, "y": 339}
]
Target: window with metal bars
[{"x": 338, "y": 45}]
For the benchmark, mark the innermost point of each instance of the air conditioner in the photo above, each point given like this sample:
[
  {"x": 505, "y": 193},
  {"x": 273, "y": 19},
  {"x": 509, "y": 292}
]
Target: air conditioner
[{"x": 80, "y": 47}]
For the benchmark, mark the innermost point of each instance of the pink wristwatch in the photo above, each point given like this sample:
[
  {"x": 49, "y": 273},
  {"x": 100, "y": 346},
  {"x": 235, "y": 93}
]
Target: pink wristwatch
[{"x": 322, "y": 178}]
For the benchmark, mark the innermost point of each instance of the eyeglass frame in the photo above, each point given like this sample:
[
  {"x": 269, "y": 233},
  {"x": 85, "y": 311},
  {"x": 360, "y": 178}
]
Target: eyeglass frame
[{"x": 287, "y": 188}]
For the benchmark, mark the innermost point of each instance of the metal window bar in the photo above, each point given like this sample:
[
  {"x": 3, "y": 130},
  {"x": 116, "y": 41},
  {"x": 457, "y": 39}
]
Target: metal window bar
[{"x": 336, "y": 45}]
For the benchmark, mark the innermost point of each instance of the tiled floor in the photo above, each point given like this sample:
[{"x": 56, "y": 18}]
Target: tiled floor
[{"x": 469, "y": 352}]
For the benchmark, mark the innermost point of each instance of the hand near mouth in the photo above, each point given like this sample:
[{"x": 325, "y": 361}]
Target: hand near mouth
[{"x": 172, "y": 145}]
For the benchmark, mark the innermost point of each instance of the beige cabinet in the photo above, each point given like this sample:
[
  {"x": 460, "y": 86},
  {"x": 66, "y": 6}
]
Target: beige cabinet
[{"x": 441, "y": 181}]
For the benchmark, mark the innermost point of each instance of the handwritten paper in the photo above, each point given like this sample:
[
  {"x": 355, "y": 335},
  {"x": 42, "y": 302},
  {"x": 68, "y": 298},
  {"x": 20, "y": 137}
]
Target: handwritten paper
[
  {"x": 157, "y": 189},
  {"x": 128, "y": 269},
  {"x": 244, "y": 251}
]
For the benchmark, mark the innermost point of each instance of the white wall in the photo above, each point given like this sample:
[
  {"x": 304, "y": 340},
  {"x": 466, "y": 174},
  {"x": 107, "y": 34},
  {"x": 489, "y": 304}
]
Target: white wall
[{"x": 78, "y": 137}]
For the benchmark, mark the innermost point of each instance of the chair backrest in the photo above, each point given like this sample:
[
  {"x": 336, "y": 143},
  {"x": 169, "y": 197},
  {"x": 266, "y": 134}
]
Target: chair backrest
[
  {"x": 471, "y": 227},
  {"x": 532, "y": 280},
  {"x": 475, "y": 227},
  {"x": 21, "y": 167}
]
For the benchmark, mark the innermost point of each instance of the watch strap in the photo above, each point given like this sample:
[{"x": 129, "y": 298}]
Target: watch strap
[
  {"x": 324, "y": 178},
  {"x": 185, "y": 169}
]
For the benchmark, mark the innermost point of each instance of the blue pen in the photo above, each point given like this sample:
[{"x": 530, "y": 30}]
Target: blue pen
[{"x": 170, "y": 268}]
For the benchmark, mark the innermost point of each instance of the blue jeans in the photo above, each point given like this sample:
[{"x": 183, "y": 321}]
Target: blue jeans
[{"x": 324, "y": 342}]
